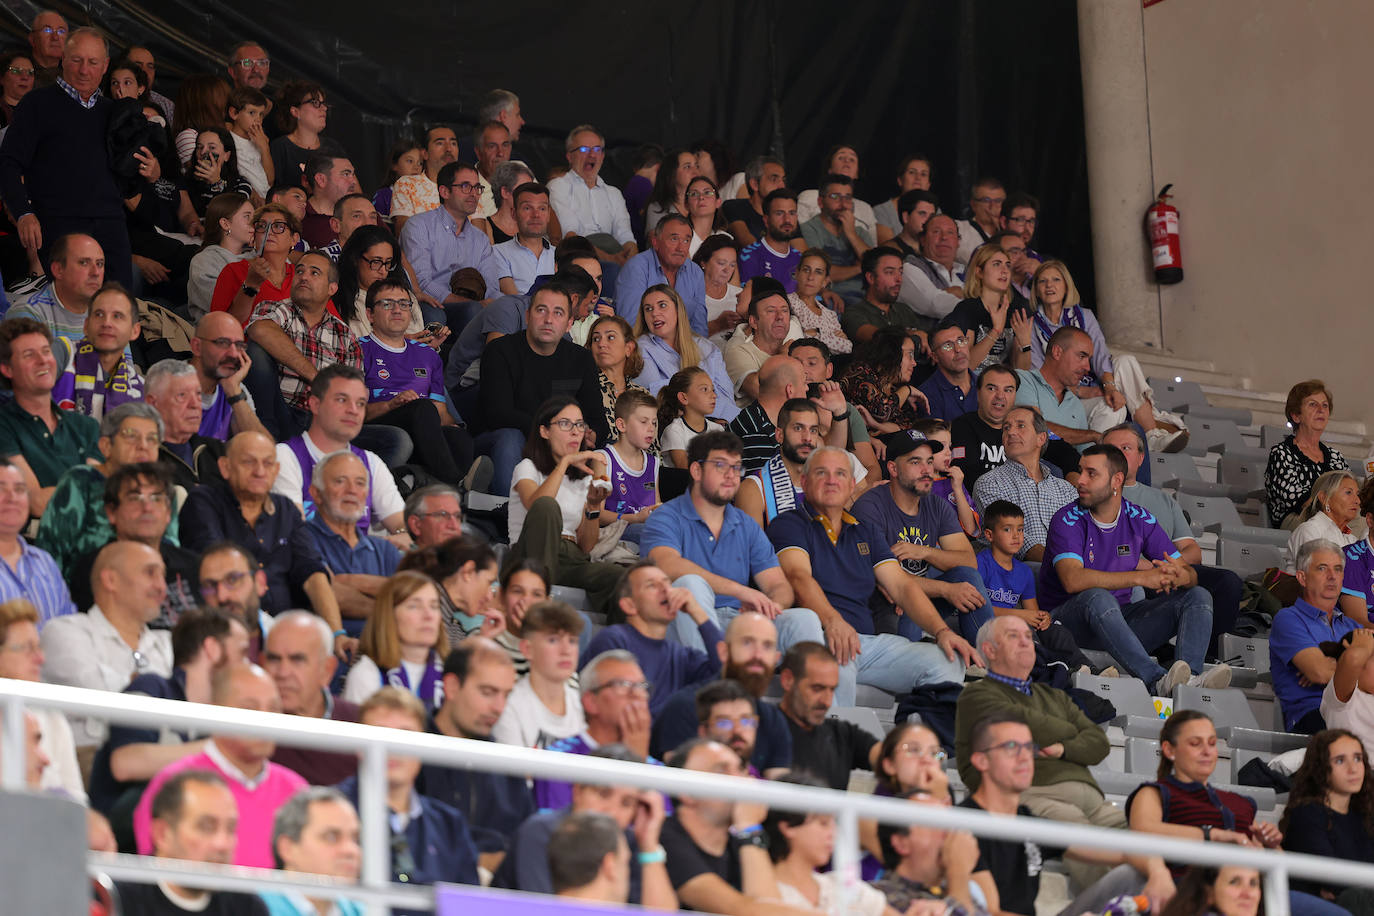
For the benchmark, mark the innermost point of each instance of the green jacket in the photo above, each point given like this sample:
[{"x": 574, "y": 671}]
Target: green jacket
[{"x": 1053, "y": 719}]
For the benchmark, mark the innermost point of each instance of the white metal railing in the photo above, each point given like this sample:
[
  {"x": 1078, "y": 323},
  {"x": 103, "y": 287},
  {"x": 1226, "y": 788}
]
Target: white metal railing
[{"x": 373, "y": 745}]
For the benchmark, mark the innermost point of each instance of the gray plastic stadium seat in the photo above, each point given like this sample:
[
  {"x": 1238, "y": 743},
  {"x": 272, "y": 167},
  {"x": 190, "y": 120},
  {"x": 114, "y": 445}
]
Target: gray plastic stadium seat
[
  {"x": 862, "y": 716},
  {"x": 1142, "y": 756},
  {"x": 1135, "y": 708},
  {"x": 575, "y": 596},
  {"x": 1244, "y": 471},
  {"x": 1207, "y": 435},
  {"x": 1114, "y": 783},
  {"x": 1218, "y": 514},
  {"x": 1271, "y": 435},
  {"x": 1247, "y": 559},
  {"x": 1237, "y": 415},
  {"x": 1236, "y": 723},
  {"x": 1253, "y": 651},
  {"x": 1170, "y": 469},
  {"x": 874, "y": 698},
  {"x": 1171, "y": 395}
]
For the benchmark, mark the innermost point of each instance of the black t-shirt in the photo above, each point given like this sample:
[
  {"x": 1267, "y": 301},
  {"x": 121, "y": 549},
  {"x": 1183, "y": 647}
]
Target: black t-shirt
[
  {"x": 976, "y": 448},
  {"x": 740, "y": 210},
  {"x": 687, "y": 860},
  {"x": 830, "y": 750},
  {"x": 972, "y": 315},
  {"x": 1015, "y": 866},
  {"x": 149, "y": 900}
]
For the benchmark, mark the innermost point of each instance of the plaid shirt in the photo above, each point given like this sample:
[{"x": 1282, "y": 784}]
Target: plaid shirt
[
  {"x": 328, "y": 342},
  {"x": 71, "y": 91},
  {"x": 1039, "y": 501}
]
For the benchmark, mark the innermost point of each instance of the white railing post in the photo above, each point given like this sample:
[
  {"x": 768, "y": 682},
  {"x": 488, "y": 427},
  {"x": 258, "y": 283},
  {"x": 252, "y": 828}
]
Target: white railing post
[
  {"x": 1276, "y": 891},
  {"x": 13, "y": 750},
  {"x": 846, "y": 860},
  {"x": 374, "y": 822}
]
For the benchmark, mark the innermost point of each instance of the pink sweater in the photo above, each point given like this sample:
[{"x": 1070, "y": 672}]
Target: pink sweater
[{"x": 257, "y": 807}]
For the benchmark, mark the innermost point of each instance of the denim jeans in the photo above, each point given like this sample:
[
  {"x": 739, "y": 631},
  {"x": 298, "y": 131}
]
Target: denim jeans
[
  {"x": 504, "y": 447},
  {"x": 1130, "y": 633},
  {"x": 966, "y": 624},
  {"x": 794, "y": 625}
]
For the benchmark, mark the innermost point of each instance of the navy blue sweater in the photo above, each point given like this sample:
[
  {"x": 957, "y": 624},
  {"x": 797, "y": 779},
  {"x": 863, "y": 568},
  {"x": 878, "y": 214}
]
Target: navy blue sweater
[{"x": 53, "y": 161}]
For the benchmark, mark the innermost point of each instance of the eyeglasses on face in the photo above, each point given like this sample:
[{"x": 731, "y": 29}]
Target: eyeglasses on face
[
  {"x": 586, "y": 149},
  {"x": 50, "y": 30},
  {"x": 392, "y": 305},
  {"x": 22, "y": 71},
  {"x": 990, "y": 201},
  {"x": 131, "y": 435},
  {"x": 467, "y": 187},
  {"x": 950, "y": 346},
  {"x": 378, "y": 263},
  {"x": 725, "y": 467},
  {"x": 708, "y": 194},
  {"x": 224, "y": 343},
  {"x": 908, "y": 749},
  {"x": 836, "y": 195},
  {"x": 625, "y": 687},
  {"x": 725, "y": 723},
  {"x": 567, "y": 425},
  {"x": 248, "y": 63},
  {"x": 276, "y": 227},
  {"x": 1014, "y": 748},
  {"x": 209, "y": 587},
  {"x": 442, "y": 515}
]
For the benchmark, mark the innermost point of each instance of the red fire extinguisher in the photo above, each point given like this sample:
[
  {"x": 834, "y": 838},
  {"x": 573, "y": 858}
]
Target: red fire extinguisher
[{"x": 1161, "y": 228}]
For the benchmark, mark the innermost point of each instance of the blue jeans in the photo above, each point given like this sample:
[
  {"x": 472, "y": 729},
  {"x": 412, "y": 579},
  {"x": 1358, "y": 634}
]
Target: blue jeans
[
  {"x": 794, "y": 625},
  {"x": 504, "y": 447},
  {"x": 966, "y": 624},
  {"x": 1129, "y": 633}
]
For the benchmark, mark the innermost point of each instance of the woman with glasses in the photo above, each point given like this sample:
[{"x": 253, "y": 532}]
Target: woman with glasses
[
  {"x": 556, "y": 494},
  {"x": 1296, "y": 462},
  {"x": 667, "y": 345},
  {"x": 265, "y": 277},
  {"x": 703, "y": 212},
  {"x": 21, "y": 659},
  {"x": 228, "y": 233},
  {"x": 404, "y": 643},
  {"x": 303, "y": 115},
  {"x": 815, "y": 317},
  {"x": 670, "y": 187},
  {"x": 1114, "y": 389},
  {"x": 16, "y": 80},
  {"x": 371, "y": 254}
]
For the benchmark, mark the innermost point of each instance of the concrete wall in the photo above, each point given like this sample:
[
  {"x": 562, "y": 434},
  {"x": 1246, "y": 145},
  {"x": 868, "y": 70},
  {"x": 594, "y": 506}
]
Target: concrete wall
[{"x": 1259, "y": 116}]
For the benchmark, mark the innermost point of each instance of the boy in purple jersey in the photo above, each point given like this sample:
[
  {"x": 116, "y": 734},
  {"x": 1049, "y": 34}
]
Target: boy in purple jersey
[
  {"x": 405, "y": 386},
  {"x": 1357, "y": 591},
  {"x": 632, "y": 467},
  {"x": 1093, "y": 554}
]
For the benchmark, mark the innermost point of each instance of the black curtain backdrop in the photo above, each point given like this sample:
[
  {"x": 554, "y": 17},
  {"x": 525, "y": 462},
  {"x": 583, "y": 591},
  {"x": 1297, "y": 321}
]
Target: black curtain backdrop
[{"x": 984, "y": 87}]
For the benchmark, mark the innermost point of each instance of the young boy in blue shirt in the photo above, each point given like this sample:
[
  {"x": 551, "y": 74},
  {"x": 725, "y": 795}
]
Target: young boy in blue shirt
[{"x": 1011, "y": 590}]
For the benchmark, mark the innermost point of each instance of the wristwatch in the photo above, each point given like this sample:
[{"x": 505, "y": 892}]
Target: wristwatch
[
  {"x": 250, "y": 290},
  {"x": 1026, "y": 348},
  {"x": 237, "y": 398},
  {"x": 1207, "y": 833}
]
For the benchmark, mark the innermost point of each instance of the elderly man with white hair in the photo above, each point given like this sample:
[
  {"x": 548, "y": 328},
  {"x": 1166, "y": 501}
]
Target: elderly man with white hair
[
  {"x": 172, "y": 388},
  {"x": 359, "y": 563}
]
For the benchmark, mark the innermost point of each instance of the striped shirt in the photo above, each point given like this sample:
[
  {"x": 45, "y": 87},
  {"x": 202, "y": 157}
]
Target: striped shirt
[
  {"x": 36, "y": 578},
  {"x": 759, "y": 435}
]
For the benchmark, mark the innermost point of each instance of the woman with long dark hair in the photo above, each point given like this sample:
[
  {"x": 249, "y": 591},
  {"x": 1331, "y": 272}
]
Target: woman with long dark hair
[
  {"x": 670, "y": 187},
  {"x": 465, "y": 568},
  {"x": 213, "y": 169},
  {"x": 371, "y": 254},
  {"x": 878, "y": 382},
  {"x": 1228, "y": 890},
  {"x": 1330, "y": 812}
]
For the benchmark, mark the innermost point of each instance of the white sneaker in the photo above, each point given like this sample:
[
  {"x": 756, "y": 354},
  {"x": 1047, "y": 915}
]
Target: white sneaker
[
  {"x": 1163, "y": 442},
  {"x": 1178, "y": 673},
  {"x": 1216, "y": 677}
]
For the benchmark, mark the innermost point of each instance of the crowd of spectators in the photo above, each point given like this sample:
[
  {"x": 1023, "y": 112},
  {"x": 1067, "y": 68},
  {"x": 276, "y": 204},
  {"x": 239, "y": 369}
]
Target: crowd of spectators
[{"x": 782, "y": 439}]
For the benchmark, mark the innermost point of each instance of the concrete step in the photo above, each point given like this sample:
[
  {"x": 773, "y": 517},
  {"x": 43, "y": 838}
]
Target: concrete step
[{"x": 1159, "y": 363}]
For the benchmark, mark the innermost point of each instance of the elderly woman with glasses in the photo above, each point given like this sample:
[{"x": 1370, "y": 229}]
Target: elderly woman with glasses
[
  {"x": 266, "y": 276},
  {"x": 1302, "y": 456}
]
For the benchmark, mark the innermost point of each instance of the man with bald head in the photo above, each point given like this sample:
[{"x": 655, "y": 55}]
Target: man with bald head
[
  {"x": 780, "y": 379},
  {"x": 106, "y": 647},
  {"x": 359, "y": 563},
  {"x": 55, "y": 173},
  {"x": 219, "y": 354},
  {"x": 749, "y": 654},
  {"x": 243, "y": 509},
  {"x": 259, "y": 786},
  {"x": 299, "y": 655}
]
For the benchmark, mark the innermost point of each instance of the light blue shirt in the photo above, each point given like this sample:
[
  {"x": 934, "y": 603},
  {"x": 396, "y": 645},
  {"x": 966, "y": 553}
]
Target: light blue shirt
[
  {"x": 436, "y": 248},
  {"x": 521, "y": 264},
  {"x": 588, "y": 211},
  {"x": 662, "y": 362},
  {"x": 643, "y": 271},
  {"x": 741, "y": 552},
  {"x": 1036, "y": 392}
]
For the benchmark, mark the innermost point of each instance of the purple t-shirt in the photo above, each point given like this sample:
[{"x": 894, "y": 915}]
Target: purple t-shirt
[
  {"x": 934, "y": 519},
  {"x": 416, "y": 368},
  {"x": 758, "y": 260},
  {"x": 1359, "y": 571},
  {"x": 944, "y": 488},
  {"x": 1074, "y": 533},
  {"x": 631, "y": 492}
]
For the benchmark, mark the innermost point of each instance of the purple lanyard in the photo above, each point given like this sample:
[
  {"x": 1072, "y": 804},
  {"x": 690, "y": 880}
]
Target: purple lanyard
[{"x": 431, "y": 691}]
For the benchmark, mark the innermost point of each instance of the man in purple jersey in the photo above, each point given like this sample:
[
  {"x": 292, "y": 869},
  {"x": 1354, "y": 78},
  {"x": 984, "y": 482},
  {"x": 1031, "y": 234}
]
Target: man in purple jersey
[
  {"x": 773, "y": 255},
  {"x": 1093, "y": 556},
  {"x": 1357, "y": 591}
]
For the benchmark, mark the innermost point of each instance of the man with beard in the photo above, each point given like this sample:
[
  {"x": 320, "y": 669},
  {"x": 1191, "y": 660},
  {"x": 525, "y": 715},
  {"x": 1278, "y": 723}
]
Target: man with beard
[
  {"x": 925, "y": 535},
  {"x": 666, "y": 261},
  {"x": 1097, "y": 544},
  {"x": 728, "y": 713},
  {"x": 359, "y": 563},
  {"x": 749, "y": 653},
  {"x": 233, "y": 583},
  {"x": 781, "y": 378},
  {"x": 220, "y": 356},
  {"x": 1024, "y": 480},
  {"x": 773, "y": 255},
  {"x": 828, "y": 747},
  {"x": 745, "y": 217},
  {"x": 880, "y": 307},
  {"x": 776, "y": 487},
  {"x": 415, "y": 194},
  {"x": 933, "y": 284},
  {"x": 714, "y": 550},
  {"x": 650, "y": 603}
]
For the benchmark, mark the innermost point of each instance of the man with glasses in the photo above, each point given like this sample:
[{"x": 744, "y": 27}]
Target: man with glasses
[
  {"x": 650, "y": 602},
  {"x": 713, "y": 549},
  {"x": 834, "y": 231},
  {"x": 586, "y": 205},
  {"x": 173, "y": 389},
  {"x": 985, "y": 216},
  {"x": 232, "y": 582},
  {"x": 47, "y": 38},
  {"x": 443, "y": 241},
  {"x": 1022, "y": 217},
  {"x": 249, "y": 66},
  {"x": 138, "y": 506},
  {"x": 615, "y": 699},
  {"x": 1005, "y": 757},
  {"x": 434, "y": 514},
  {"x": 219, "y": 353},
  {"x": 728, "y": 713},
  {"x": 666, "y": 261},
  {"x": 950, "y": 387},
  {"x": 412, "y": 195}
]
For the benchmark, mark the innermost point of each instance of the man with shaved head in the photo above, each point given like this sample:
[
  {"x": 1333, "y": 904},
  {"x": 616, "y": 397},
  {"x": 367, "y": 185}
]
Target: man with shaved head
[
  {"x": 259, "y": 786},
  {"x": 220, "y": 356},
  {"x": 780, "y": 379},
  {"x": 55, "y": 174},
  {"x": 243, "y": 509},
  {"x": 105, "y": 648}
]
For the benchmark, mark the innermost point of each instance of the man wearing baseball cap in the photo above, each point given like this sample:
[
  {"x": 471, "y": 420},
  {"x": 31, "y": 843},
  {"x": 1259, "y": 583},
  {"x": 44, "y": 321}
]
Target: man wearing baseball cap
[{"x": 925, "y": 536}]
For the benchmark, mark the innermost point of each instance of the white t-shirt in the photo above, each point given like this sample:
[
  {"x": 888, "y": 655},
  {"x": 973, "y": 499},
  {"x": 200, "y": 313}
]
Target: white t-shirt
[
  {"x": 678, "y": 435},
  {"x": 365, "y": 678},
  {"x": 386, "y": 499},
  {"x": 1355, "y": 714},
  {"x": 717, "y": 307},
  {"x": 572, "y": 497},
  {"x": 250, "y": 165},
  {"x": 527, "y": 722}
]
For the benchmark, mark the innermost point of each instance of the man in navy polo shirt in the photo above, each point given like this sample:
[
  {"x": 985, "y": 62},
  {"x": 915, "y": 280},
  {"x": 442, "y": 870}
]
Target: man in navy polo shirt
[
  {"x": 1301, "y": 670},
  {"x": 950, "y": 388},
  {"x": 1092, "y": 562},
  {"x": 715, "y": 550},
  {"x": 834, "y": 561}
]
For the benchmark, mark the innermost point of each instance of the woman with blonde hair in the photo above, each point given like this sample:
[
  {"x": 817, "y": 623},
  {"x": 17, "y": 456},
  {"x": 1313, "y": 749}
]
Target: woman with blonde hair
[
  {"x": 667, "y": 344},
  {"x": 1114, "y": 387},
  {"x": 404, "y": 643},
  {"x": 21, "y": 659},
  {"x": 1328, "y": 512},
  {"x": 998, "y": 327}
]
